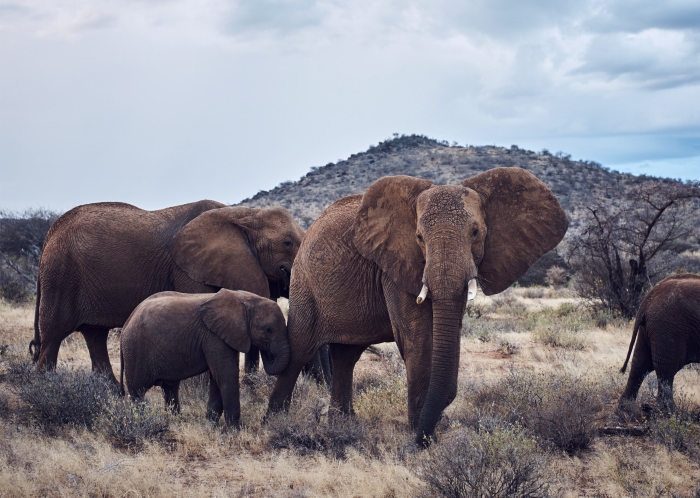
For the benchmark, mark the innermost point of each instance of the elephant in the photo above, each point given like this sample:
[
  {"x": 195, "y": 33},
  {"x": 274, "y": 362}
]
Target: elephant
[
  {"x": 101, "y": 260},
  {"x": 172, "y": 336},
  {"x": 369, "y": 261},
  {"x": 667, "y": 333}
]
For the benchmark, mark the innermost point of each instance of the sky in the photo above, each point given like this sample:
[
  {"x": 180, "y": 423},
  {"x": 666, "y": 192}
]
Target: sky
[{"x": 163, "y": 102}]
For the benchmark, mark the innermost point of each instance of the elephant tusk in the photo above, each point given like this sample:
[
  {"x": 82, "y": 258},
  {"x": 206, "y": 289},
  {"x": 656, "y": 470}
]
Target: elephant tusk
[
  {"x": 471, "y": 289},
  {"x": 423, "y": 294}
]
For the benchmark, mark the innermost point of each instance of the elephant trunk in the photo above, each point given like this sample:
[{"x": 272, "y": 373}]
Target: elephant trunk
[
  {"x": 447, "y": 321},
  {"x": 277, "y": 359}
]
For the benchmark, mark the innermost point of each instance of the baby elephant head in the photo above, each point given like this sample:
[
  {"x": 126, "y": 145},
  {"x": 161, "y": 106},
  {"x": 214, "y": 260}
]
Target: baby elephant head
[{"x": 243, "y": 319}]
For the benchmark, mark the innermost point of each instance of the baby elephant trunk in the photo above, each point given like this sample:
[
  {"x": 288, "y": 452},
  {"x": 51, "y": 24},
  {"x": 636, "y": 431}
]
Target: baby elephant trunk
[{"x": 276, "y": 359}]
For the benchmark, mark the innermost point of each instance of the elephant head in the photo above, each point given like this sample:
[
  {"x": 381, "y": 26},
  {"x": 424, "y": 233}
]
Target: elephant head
[
  {"x": 443, "y": 239},
  {"x": 240, "y": 248},
  {"x": 242, "y": 319}
]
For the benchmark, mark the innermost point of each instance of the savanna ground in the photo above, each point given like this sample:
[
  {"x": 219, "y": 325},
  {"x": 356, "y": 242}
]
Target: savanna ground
[{"x": 535, "y": 416}]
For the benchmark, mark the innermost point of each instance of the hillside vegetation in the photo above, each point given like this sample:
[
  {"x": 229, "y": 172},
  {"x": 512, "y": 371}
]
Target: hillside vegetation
[{"x": 573, "y": 182}]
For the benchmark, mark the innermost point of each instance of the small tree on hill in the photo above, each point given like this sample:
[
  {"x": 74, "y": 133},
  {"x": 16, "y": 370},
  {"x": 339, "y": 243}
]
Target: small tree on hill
[{"x": 617, "y": 252}]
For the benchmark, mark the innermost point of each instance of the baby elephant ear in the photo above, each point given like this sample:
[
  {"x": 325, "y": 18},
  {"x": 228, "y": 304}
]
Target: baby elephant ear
[
  {"x": 524, "y": 220},
  {"x": 214, "y": 248},
  {"x": 226, "y": 316},
  {"x": 385, "y": 229}
]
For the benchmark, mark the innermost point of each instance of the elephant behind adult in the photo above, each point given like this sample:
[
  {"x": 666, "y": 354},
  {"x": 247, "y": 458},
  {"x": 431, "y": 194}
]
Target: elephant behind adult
[
  {"x": 366, "y": 258},
  {"x": 101, "y": 260},
  {"x": 667, "y": 334}
]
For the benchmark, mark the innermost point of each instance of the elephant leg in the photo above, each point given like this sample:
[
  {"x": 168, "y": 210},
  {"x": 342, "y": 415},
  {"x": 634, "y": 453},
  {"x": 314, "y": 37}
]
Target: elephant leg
[
  {"x": 642, "y": 364},
  {"x": 252, "y": 360},
  {"x": 665, "y": 389},
  {"x": 324, "y": 354},
  {"x": 224, "y": 381},
  {"x": 305, "y": 337},
  {"x": 344, "y": 358},
  {"x": 282, "y": 392},
  {"x": 314, "y": 368},
  {"x": 171, "y": 394},
  {"x": 215, "y": 405},
  {"x": 96, "y": 339},
  {"x": 412, "y": 326},
  {"x": 665, "y": 394},
  {"x": 48, "y": 354},
  {"x": 231, "y": 402}
]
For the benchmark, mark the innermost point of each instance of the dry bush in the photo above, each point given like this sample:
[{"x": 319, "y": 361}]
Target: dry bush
[
  {"x": 561, "y": 411},
  {"x": 676, "y": 432},
  {"x": 502, "y": 463},
  {"x": 195, "y": 390},
  {"x": 308, "y": 434},
  {"x": 305, "y": 430},
  {"x": 485, "y": 328},
  {"x": 533, "y": 293},
  {"x": 128, "y": 425},
  {"x": 61, "y": 397},
  {"x": 12, "y": 289},
  {"x": 556, "y": 276},
  {"x": 79, "y": 398},
  {"x": 385, "y": 365},
  {"x": 507, "y": 302},
  {"x": 557, "y": 336},
  {"x": 385, "y": 399}
]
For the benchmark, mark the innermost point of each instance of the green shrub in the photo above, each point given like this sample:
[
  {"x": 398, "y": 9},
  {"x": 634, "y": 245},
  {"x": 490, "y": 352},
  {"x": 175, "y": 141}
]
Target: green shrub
[{"x": 476, "y": 463}]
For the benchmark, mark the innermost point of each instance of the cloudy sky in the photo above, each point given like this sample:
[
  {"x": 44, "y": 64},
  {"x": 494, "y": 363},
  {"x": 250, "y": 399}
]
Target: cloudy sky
[{"x": 161, "y": 102}]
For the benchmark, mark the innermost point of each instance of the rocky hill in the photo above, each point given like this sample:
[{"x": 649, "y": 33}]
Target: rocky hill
[{"x": 573, "y": 182}]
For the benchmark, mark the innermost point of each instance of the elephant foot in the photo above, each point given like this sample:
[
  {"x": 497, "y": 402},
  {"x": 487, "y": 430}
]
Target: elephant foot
[{"x": 423, "y": 441}]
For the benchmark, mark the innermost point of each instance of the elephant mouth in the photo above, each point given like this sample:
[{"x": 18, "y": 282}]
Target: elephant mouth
[{"x": 269, "y": 358}]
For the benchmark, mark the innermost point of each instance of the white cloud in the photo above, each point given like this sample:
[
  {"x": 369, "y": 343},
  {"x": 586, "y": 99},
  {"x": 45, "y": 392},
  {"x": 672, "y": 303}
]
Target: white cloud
[{"x": 201, "y": 87}]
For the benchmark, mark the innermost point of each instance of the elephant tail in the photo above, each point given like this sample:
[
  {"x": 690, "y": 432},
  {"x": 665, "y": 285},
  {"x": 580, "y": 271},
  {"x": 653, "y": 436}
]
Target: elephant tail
[
  {"x": 35, "y": 344},
  {"x": 637, "y": 324},
  {"x": 121, "y": 370}
]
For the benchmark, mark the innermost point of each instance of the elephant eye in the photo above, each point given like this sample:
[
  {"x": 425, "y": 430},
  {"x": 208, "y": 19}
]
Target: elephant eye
[
  {"x": 268, "y": 330},
  {"x": 419, "y": 237},
  {"x": 287, "y": 243},
  {"x": 475, "y": 232}
]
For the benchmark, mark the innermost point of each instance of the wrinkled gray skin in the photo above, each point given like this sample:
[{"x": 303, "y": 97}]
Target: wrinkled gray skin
[
  {"x": 363, "y": 263},
  {"x": 172, "y": 336},
  {"x": 101, "y": 260},
  {"x": 667, "y": 333}
]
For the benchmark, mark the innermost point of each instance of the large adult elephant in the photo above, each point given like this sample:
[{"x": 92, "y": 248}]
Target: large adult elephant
[
  {"x": 667, "y": 333},
  {"x": 368, "y": 257},
  {"x": 101, "y": 260}
]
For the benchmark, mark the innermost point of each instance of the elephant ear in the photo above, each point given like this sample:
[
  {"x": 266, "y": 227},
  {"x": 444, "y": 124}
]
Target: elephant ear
[
  {"x": 524, "y": 220},
  {"x": 385, "y": 229},
  {"x": 214, "y": 249},
  {"x": 226, "y": 316}
]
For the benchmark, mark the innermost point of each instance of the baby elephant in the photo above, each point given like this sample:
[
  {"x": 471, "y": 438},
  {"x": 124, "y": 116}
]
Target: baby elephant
[{"x": 172, "y": 336}]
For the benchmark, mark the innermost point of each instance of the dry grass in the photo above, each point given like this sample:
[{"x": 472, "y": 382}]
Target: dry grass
[{"x": 528, "y": 412}]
